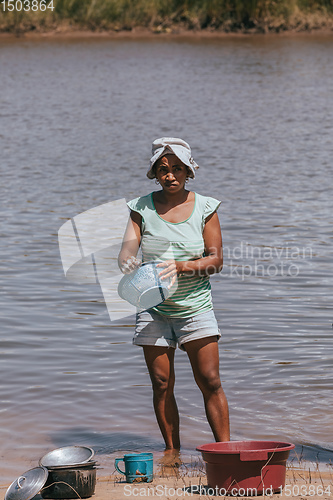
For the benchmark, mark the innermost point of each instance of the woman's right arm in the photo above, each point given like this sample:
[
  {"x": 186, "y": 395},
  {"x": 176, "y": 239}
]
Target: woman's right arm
[{"x": 127, "y": 260}]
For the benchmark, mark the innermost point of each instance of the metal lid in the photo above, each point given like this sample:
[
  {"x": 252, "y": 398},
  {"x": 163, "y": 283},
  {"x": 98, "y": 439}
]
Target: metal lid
[{"x": 28, "y": 485}]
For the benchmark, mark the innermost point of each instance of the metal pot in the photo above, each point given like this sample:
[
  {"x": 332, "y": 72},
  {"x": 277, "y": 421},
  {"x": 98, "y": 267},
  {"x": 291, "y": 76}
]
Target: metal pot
[
  {"x": 143, "y": 287},
  {"x": 70, "y": 482}
]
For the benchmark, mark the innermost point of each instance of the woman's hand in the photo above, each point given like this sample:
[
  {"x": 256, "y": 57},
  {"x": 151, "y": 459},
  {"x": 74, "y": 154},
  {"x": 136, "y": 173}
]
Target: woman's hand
[
  {"x": 130, "y": 264},
  {"x": 169, "y": 271}
]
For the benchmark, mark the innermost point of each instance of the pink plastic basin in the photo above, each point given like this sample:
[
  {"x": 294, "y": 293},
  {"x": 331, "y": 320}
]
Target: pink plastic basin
[{"x": 246, "y": 468}]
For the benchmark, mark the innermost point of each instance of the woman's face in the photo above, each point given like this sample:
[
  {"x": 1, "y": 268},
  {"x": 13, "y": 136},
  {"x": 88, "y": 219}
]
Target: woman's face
[{"x": 171, "y": 173}]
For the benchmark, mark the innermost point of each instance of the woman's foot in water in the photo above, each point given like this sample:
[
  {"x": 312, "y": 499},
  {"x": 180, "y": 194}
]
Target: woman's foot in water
[{"x": 171, "y": 458}]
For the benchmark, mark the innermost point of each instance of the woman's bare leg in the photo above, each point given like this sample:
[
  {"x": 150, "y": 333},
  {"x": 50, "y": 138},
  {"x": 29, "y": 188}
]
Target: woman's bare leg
[
  {"x": 204, "y": 358},
  {"x": 160, "y": 363}
]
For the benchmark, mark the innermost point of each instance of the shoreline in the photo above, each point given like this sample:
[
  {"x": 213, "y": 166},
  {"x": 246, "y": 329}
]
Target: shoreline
[
  {"x": 301, "y": 484},
  {"x": 74, "y": 32}
]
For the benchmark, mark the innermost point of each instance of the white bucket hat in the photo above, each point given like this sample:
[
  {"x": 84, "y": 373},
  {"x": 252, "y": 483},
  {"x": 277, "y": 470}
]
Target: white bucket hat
[{"x": 180, "y": 148}]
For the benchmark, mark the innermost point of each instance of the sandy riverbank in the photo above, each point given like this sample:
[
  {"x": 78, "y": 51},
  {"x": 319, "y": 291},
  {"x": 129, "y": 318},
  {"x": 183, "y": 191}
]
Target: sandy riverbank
[
  {"x": 300, "y": 484},
  {"x": 67, "y": 33},
  {"x": 317, "y": 27}
]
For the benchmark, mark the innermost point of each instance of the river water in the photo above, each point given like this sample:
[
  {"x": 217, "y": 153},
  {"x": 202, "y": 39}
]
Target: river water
[{"x": 77, "y": 121}]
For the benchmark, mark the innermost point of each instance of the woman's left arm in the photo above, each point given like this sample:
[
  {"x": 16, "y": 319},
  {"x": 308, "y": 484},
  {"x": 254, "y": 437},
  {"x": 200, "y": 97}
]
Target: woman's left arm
[{"x": 213, "y": 260}]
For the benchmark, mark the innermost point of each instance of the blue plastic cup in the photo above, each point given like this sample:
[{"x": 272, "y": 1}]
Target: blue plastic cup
[{"x": 138, "y": 466}]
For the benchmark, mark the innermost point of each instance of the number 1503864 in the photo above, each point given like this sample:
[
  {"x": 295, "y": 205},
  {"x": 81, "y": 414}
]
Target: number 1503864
[
  {"x": 310, "y": 490},
  {"x": 26, "y": 5}
]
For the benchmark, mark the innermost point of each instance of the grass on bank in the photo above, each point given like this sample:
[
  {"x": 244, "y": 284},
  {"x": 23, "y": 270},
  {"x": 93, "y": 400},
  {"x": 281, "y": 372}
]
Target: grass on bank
[{"x": 170, "y": 15}]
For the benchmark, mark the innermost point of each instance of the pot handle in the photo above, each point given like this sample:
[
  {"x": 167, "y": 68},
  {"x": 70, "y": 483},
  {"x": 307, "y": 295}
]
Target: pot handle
[
  {"x": 116, "y": 462},
  {"x": 251, "y": 455},
  {"x": 18, "y": 481}
]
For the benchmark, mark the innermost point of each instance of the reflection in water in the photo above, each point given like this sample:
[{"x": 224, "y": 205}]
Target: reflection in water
[{"x": 78, "y": 121}]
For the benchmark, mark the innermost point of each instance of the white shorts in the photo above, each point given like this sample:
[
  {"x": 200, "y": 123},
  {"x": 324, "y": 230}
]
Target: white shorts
[{"x": 153, "y": 328}]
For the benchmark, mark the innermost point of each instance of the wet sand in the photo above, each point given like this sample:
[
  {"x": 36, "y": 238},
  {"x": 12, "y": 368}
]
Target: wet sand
[{"x": 300, "y": 483}]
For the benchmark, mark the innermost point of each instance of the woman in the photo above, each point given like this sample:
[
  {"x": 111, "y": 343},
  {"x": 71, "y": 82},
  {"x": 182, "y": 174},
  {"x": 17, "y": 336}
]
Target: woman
[{"x": 182, "y": 229}]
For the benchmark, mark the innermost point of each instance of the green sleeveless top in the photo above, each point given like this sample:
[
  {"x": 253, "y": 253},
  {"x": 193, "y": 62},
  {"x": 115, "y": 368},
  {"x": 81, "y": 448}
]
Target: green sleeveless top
[{"x": 163, "y": 240}]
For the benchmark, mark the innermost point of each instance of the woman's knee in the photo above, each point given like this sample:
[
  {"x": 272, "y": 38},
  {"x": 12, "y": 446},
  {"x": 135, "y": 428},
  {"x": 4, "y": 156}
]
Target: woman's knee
[
  {"x": 160, "y": 366},
  {"x": 162, "y": 384},
  {"x": 209, "y": 382}
]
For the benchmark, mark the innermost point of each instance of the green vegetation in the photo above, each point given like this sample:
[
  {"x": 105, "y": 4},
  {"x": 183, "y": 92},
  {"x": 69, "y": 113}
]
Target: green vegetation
[{"x": 172, "y": 15}]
